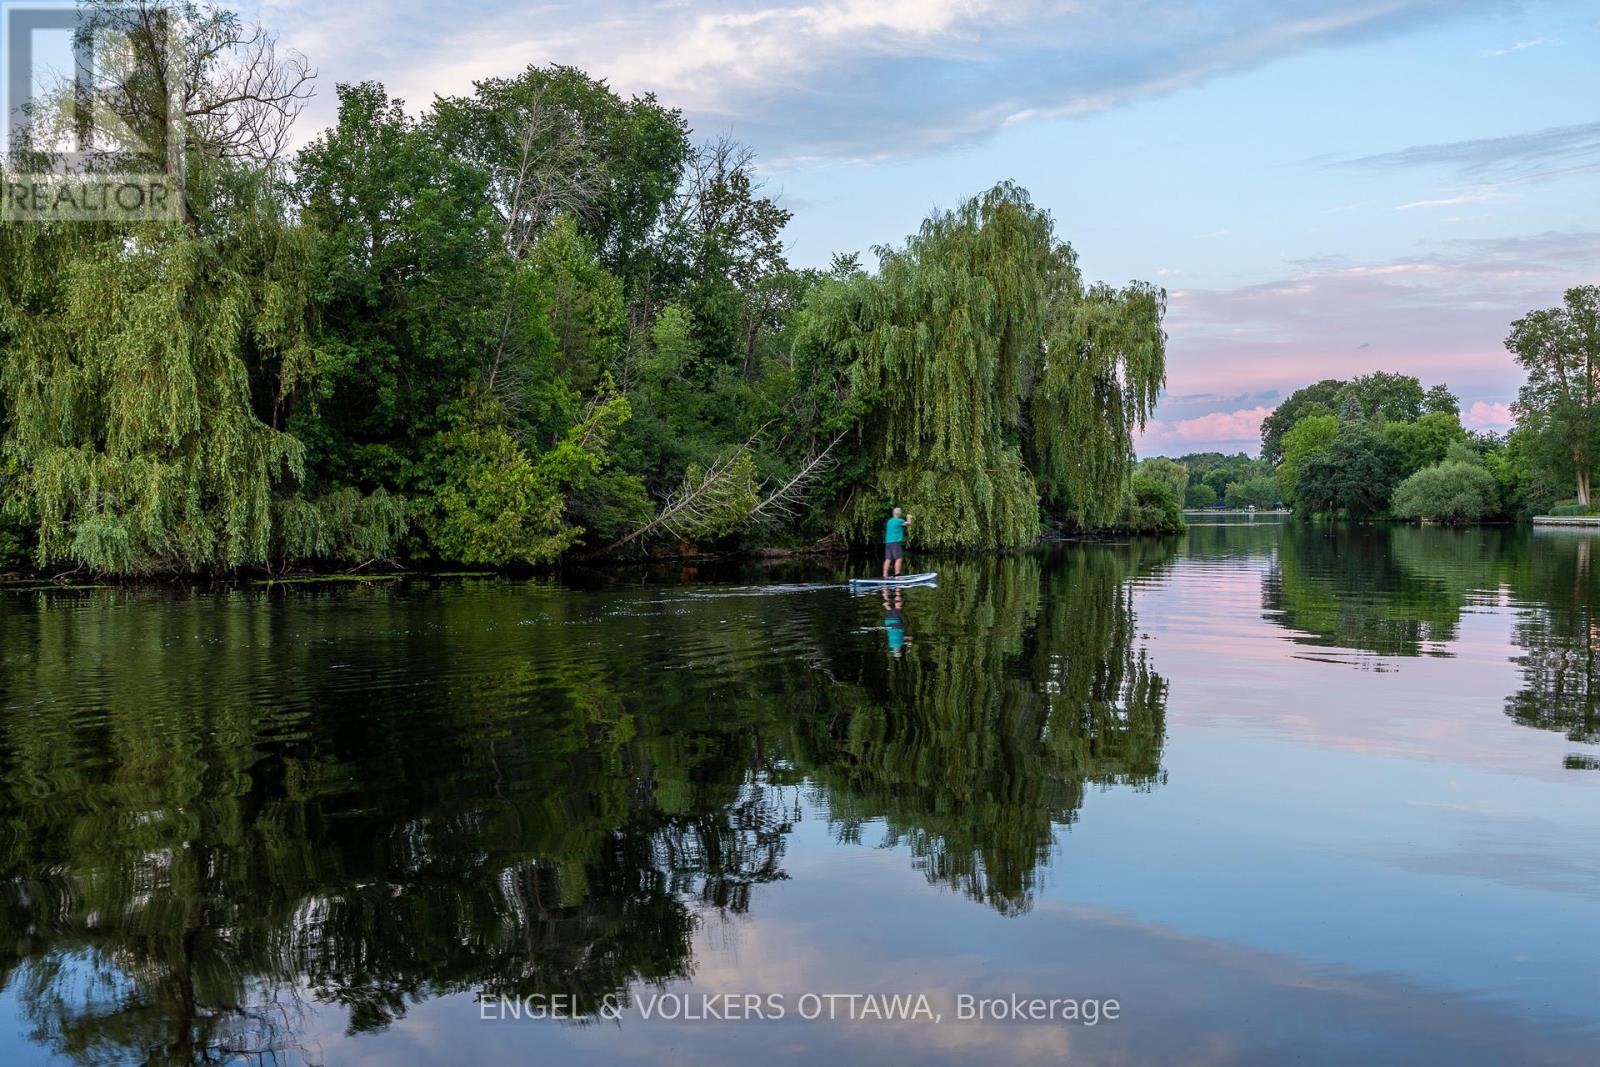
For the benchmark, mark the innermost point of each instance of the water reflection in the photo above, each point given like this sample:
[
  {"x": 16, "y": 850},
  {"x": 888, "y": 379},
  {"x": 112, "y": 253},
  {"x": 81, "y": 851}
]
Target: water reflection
[
  {"x": 222, "y": 812},
  {"x": 1559, "y": 638},
  {"x": 1388, "y": 592},
  {"x": 973, "y": 749}
]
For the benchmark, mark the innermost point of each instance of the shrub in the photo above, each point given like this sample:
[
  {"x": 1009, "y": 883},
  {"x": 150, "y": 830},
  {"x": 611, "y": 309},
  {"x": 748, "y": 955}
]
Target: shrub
[
  {"x": 1151, "y": 508},
  {"x": 1572, "y": 508},
  {"x": 1447, "y": 492}
]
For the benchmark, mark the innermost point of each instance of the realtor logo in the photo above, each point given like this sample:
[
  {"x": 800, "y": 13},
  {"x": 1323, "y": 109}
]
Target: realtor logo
[{"x": 91, "y": 130}]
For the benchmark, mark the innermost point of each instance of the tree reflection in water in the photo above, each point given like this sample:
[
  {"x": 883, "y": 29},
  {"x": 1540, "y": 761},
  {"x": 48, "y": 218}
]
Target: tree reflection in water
[
  {"x": 1396, "y": 591},
  {"x": 223, "y": 811}
]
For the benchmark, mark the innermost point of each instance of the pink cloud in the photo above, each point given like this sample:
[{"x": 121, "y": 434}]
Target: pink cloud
[
  {"x": 1485, "y": 415},
  {"x": 1211, "y": 428},
  {"x": 1442, "y": 315}
]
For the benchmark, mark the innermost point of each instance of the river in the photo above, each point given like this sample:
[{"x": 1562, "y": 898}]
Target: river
[{"x": 1264, "y": 793}]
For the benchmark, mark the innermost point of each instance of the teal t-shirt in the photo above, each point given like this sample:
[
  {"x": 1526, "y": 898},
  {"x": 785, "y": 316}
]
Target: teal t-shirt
[{"x": 895, "y": 531}]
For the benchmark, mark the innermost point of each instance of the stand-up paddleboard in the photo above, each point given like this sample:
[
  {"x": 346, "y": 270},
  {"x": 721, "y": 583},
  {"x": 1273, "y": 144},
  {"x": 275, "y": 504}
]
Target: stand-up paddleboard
[{"x": 905, "y": 579}]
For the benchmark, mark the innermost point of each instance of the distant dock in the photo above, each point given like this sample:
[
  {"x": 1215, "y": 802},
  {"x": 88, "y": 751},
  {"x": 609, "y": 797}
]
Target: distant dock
[{"x": 1566, "y": 520}]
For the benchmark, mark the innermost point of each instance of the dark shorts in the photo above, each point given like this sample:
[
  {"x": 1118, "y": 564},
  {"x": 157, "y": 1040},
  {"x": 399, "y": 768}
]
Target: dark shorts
[{"x": 894, "y": 550}]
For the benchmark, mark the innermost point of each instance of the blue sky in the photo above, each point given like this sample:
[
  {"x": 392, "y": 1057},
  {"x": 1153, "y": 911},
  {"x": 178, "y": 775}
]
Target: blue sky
[{"x": 1325, "y": 187}]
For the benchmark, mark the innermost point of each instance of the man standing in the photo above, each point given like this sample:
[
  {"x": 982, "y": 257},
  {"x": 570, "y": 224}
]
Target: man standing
[{"x": 894, "y": 542}]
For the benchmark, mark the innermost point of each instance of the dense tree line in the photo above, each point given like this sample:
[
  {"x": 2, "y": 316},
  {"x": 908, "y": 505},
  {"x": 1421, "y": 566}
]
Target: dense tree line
[
  {"x": 531, "y": 321},
  {"x": 1382, "y": 445},
  {"x": 1212, "y": 479}
]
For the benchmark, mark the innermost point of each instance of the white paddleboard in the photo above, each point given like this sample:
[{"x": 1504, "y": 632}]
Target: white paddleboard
[{"x": 905, "y": 579}]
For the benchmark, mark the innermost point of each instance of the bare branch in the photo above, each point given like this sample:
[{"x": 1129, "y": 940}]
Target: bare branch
[{"x": 783, "y": 501}]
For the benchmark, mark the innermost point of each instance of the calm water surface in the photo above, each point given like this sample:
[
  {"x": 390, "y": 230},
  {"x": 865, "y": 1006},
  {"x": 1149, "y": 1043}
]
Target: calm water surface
[{"x": 1287, "y": 794}]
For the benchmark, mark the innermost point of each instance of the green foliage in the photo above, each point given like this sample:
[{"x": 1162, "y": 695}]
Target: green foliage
[
  {"x": 1320, "y": 398},
  {"x": 141, "y": 367},
  {"x": 1260, "y": 492},
  {"x": 940, "y": 341},
  {"x": 1573, "y": 509},
  {"x": 1213, "y": 476},
  {"x": 1305, "y": 439},
  {"x": 975, "y": 330},
  {"x": 1382, "y": 397},
  {"x": 1105, "y": 364},
  {"x": 1354, "y": 474},
  {"x": 1528, "y": 486},
  {"x": 1447, "y": 492},
  {"x": 403, "y": 343},
  {"x": 1426, "y": 441},
  {"x": 1169, "y": 472},
  {"x": 1559, "y": 405},
  {"x": 628, "y": 154},
  {"x": 1440, "y": 400},
  {"x": 492, "y": 503},
  {"x": 584, "y": 306},
  {"x": 343, "y": 525},
  {"x": 409, "y": 268},
  {"x": 722, "y": 503},
  {"x": 1406, "y": 429},
  {"x": 1151, "y": 507}
]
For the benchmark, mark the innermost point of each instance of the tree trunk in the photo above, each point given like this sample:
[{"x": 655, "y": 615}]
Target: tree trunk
[{"x": 1583, "y": 477}]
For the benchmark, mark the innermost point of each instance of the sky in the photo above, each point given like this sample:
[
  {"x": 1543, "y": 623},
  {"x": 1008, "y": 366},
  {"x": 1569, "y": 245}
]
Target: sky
[{"x": 1324, "y": 187}]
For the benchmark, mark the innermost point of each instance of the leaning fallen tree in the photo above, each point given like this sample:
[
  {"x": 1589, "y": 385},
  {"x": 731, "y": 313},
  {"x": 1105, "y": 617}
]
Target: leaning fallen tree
[{"x": 718, "y": 500}]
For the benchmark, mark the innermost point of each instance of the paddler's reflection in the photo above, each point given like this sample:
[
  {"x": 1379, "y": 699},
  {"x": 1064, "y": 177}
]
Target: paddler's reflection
[{"x": 894, "y": 622}]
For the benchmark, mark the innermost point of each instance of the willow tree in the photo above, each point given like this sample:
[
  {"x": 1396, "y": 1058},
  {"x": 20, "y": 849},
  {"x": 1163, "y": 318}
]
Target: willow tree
[
  {"x": 1101, "y": 369},
  {"x": 143, "y": 368},
  {"x": 987, "y": 373}
]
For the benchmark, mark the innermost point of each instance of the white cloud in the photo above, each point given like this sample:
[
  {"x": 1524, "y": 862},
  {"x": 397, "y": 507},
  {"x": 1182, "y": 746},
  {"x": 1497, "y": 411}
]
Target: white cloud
[
  {"x": 1518, "y": 47},
  {"x": 834, "y": 79},
  {"x": 1487, "y": 196}
]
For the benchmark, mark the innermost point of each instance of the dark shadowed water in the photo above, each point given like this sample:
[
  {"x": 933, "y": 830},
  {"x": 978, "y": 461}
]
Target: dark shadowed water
[{"x": 1284, "y": 793}]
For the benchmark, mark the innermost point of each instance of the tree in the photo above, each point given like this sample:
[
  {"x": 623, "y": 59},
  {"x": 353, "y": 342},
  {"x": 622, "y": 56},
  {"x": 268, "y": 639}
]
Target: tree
[
  {"x": 1440, "y": 400},
  {"x": 1319, "y": 398},
  {"x": 1200, "y": 495},
  {"x": 1307, "y": 437},
  {"x": 1528, "y": 485},
  {"x": 148, "y": 371},
  {"x": 1447, "y": 492},
  {"x": 1560, "y": 349},
  {"x": 1355, "y": 474},
  {"x": 584, "y": 306},
  {"x": 410, "y": 267},
  {"x": 1104, "y": 365},
  {"x": 143, "y": 368},
  {"x": 976, "y": 348},
  {"x": 1151, "y": 507},
  {"x": 730, "y": 239},
  {"x": 1254, "y": 493},
  {"x": 1381, "y": 397},
  {"x": 494, "y": 504},
  {"x": 556, "y": 141},
  {"x": 1424, "y": 442},
  {"x": 1169, "y": 472}
]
